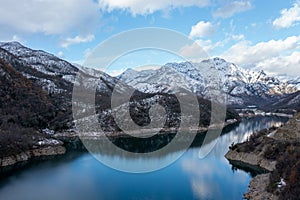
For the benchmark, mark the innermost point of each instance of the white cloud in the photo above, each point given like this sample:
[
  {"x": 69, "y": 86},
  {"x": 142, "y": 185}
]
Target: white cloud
[
  {"x": 202, "y": 29},
  {"x": 289, "y": 64},
  {"x": 289, "y": 17},
  {"x": 48, "y": 16},
  {"x": 147, "y": 67},
  {"x": 232, "y": 8},
  {"x": 274, "y": 56},
  {"x": 115, "y": 72},
  {"x": 199, "y": 47},
  {"x": 60, "y": 54},
  {"x": 87, "y": 52},
  {"x": 142, "y": 7},
  {"x": 238, "y": 37},
  {"x": 76, "y": 40},
  {"x": 16, "y": 38},
  {"x": 191, "y": 52}
]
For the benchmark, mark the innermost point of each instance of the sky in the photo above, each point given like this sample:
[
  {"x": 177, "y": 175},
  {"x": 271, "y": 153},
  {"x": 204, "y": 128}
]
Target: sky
[{"x": 256, "y": 34}]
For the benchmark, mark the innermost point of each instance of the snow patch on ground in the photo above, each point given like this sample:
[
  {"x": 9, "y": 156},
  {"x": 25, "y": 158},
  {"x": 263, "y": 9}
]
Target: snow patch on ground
[{"x": 49, "y": 142}]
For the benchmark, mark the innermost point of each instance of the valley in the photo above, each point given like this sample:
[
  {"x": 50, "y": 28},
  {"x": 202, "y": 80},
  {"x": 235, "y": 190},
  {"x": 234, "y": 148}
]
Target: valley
[{"x": 40, "y": 118}]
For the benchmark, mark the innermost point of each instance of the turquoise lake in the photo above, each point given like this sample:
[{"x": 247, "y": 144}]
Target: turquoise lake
[{"x": 79, "y": 176}]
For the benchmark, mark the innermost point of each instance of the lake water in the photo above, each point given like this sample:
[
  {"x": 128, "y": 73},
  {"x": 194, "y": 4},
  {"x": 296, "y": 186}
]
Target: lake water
[{"x": 79, "y": 176}]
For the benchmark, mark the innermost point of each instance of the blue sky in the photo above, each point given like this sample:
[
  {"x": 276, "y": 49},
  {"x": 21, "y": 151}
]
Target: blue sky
[{"x": 259, "y": 34}]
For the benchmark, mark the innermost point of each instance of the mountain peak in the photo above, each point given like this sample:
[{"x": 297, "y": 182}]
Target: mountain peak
[
  {"x": 12, "y": 43},
  {"x": 13, "y": 46},
  {"x": 218, "y": 59},
  {"x": 238, "y": 83},
  {"x": 262, "y": 72},
  {"x": 40, "y": 60},
  {"x": 129, "y": 70}
]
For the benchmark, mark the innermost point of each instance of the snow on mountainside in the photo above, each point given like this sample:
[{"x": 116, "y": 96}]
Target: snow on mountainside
[
  {"x": 295, "y": 82},
  {"x": 57, "y": 76},
  {"x": 237, "y": 82},
  {"x": 90, "y": 71},
  {"x": 53, "y": 74},
  {"x": 40, "y": 60},
  {"x": 150, "y": 82},
  {"x": 291, "y": 80},
  {"x": 105, "y": 83}
]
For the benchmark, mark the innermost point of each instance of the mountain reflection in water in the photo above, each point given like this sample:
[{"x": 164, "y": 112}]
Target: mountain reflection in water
[{"x": 83, "y": 177}]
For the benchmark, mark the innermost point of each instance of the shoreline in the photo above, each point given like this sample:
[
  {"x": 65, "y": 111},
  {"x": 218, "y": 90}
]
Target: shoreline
[
  {"x": 258, "y": 152},
  {"x": 141, "y": 132},
  {"x": 263, "y": 168},
  {"x": 255, "y": 161},
  {"x": 63, "y": 139},
  {"x": 30, "y": 154},
  {"x": 257, "y": 188},
  {"x": 70, "y": 137}
]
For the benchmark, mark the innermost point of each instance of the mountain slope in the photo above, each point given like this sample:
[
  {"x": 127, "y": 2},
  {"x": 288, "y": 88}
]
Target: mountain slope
[
  {"x": 36, "y": 102},
  {"x": 22, "y": 101},
  {"x": 243, "y": 87},
  {"x": 57, "y": 78},
  {"x": 24, "y": 109},
  {"x": 40, "y": 60}
]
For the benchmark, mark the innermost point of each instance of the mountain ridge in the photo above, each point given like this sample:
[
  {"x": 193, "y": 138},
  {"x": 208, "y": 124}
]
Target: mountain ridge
[
  {"x": 57, "y": 78},
  {"x": 243, "y": 87},
  {"x": 53, "y": 80},
  {"x": 238, "y": 83}
]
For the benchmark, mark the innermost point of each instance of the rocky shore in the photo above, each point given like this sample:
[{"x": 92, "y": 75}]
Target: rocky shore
[
  {"x": 275, "y": 151},
  {"x": 252, "y": 160},
  {"x": 257, "y": 189},
  {"x": 58, "y": 143},
  {"x": 43, "y": 150}
]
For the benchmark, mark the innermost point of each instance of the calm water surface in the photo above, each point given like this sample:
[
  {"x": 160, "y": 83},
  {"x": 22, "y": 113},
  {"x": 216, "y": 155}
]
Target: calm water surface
[{"x": 79, "y": 176}]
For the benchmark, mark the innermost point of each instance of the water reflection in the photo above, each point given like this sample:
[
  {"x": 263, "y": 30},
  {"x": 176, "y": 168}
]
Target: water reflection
[
  {"x": 243, "y": 131},
  {"x": 83, "y": 177},
  {"x": 213, "y": 177},
  {"x": 235, "y": 133}
]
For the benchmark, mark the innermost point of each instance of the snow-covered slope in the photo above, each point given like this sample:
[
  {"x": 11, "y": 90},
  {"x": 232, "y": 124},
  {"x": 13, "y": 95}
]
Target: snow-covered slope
[
  {"x": 53, "y": 74},
  {"x": 235, "y": 81},
  {"x": 57, "y": 76},
  {"x": 40, "y": 60},
  {"x": 295, "y": 81},
  {"x": 162, "y": 80}
]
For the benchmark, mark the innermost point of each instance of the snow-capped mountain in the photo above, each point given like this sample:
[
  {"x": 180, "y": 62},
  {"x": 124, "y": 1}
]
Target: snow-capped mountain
[
  {"x": 45, "y": 69},
  {"x": 40, "y": 60},
  {"x": 57, "y": 78},
  {"x": 41, "y": 67},
  {"x": 239, "y": 84},
  {"x": 293, "y": 81},
  {"x": 287, "y": 101},
  {"x": 161, "y": 80}
]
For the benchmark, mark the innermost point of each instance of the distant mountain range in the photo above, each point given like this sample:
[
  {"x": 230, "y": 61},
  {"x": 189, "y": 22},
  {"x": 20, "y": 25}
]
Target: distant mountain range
[
  {"x": 36, "y": 91},
  {"x": 56, "y": 77},
  {"x": 243, "y": 87}
]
